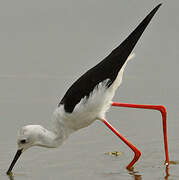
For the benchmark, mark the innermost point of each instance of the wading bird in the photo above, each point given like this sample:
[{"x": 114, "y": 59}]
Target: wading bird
[{"x": 88, "y": 99}]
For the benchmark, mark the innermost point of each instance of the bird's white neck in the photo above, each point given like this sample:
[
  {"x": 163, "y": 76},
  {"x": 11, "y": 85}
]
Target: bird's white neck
[
  {"x": 49, "y": 139},
  {"x": 52, "y": 138}
]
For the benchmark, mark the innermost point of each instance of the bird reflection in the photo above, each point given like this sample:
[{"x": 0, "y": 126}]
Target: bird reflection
[
  {"x": 167, "y": 172},
  {"x": 135, "y": 174}
]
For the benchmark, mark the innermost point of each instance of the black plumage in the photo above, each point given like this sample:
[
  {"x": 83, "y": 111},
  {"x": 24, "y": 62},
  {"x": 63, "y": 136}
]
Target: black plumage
[{"x": 106, "y": 69}]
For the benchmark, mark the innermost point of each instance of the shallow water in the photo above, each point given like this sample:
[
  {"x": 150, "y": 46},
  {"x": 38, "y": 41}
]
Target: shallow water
[{"x": 45, "y": 46}]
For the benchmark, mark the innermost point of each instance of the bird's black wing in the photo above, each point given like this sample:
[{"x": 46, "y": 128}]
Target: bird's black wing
[{"x": 106, "y": 69}]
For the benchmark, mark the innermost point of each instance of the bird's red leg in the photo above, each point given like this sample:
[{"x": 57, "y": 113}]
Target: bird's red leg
[
  {"x": 134, "y": 149},
  {"x": 163, "y": 111}
]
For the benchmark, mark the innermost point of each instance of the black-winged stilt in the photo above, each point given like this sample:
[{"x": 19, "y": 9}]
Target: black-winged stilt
[{"x": 88, "y": 99}]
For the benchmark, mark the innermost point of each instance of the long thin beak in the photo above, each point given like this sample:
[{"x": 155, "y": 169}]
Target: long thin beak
[{"x": 18, "y": 153}]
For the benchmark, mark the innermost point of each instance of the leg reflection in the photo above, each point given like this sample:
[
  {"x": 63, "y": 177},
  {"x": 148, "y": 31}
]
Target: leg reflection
[
  {"x": 167, "y": 172},
  {"x": 135, "y": 174}
]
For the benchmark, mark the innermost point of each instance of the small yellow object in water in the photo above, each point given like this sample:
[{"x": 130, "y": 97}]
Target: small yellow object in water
[{"x": 115, "y": 153}]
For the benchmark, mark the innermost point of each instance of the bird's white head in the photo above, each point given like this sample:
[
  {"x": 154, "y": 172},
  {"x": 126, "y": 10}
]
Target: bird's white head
[
  {"x": 35, "y": 135},
  {"x": 30, "y": 135}
]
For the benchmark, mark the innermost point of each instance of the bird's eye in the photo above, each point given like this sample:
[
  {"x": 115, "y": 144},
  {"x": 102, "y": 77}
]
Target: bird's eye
[{"x": 23, "y": 141}]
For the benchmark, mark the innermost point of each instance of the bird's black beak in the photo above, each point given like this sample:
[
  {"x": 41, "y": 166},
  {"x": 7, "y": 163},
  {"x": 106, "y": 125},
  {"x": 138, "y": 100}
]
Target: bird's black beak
[{"x": 18, "y": 153}]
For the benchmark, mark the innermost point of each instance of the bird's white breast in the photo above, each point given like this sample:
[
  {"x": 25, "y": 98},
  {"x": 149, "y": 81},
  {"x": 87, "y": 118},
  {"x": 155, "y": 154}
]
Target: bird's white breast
[{"x": 88, "y": 109}]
